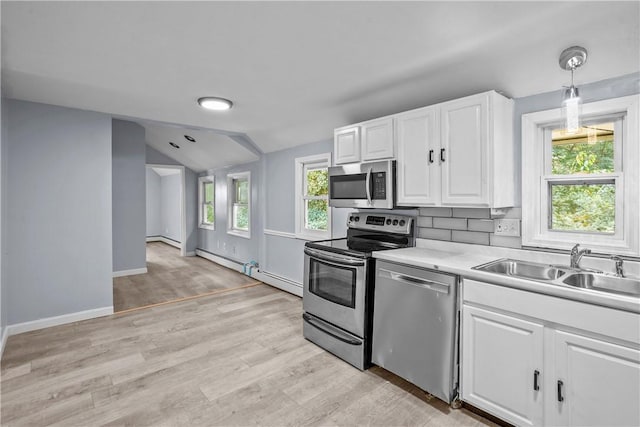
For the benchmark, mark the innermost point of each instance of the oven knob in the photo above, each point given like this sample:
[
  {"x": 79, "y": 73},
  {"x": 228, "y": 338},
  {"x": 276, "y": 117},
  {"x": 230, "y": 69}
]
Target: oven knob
[
  {"x": 357, "y": 218},
  {"x": 395, "y": 222},
  {"x": 402, "y": 222},
  {"x": 388, "y": 222},
  {"x": 351, "y": 218}
]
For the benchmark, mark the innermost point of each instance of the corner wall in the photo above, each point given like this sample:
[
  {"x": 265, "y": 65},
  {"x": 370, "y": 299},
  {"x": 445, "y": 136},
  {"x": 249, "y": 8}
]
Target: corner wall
[
  {"x": 129, "y": 205},
  {"x": 58, "y": 206}
]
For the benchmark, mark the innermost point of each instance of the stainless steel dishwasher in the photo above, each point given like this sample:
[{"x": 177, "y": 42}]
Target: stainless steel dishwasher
[{"x": 415, "y": 327}]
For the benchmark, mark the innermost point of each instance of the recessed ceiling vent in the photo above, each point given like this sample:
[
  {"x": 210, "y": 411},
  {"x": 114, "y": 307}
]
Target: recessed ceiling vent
[
  {"x": 174, "y": 145},
  {"x": 189, "y": 138}
]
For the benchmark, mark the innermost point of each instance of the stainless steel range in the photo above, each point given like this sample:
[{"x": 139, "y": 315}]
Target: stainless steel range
[{"x": 338, "y": 284}]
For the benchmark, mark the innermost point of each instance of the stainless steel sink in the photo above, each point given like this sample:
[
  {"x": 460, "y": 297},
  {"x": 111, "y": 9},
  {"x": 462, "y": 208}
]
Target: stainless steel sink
[
  {"x": 563, "y": 276},
  {"x": 523, "y": 269},
  {"x": 600, "y": 282}
]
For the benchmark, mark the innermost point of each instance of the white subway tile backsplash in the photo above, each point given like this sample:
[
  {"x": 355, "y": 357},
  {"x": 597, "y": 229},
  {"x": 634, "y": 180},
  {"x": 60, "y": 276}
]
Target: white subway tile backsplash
[
  {"x": 425, "y": 221},
  {"x": 475, "y": 237},
  {"x": 472, "y": 212},
  {"x": 435, "y": 212},
  {"x": 450, "y": 223},
  {"x": 434, "y": 233},
  {"x": 485, "y": 225},
  {"x": 505, "y": 241}
]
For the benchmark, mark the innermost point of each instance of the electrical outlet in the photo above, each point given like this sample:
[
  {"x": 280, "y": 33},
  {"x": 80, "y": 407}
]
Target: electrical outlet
[{"x": 506, "y": 227}]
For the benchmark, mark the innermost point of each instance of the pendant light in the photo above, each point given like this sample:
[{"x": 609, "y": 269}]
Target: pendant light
[{"x": 570, "y": 59}]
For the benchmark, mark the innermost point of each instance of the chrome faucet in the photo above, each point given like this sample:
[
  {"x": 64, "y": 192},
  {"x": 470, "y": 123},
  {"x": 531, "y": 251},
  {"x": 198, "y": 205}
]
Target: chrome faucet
[
  {"x": 618, "y": 261},
  {"x": 576, "y": 255}
]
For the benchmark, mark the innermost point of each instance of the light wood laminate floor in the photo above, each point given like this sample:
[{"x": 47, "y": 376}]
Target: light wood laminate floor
[
  {"x": 172, "y": 277},
  {"x": 236, "y": 358}
]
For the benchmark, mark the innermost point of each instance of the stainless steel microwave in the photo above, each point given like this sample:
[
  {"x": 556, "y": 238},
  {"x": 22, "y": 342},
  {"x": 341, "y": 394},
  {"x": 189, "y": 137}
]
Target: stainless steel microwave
[{"x": 363, "y": 185}]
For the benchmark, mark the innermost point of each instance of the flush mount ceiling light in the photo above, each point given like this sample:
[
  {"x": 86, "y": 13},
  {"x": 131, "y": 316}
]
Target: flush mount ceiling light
[
  {"x": 174, "y": 145},
  {"x": 571, "y": 58},
  {"x": 214, "y": 103},
  {"x": 189, "y": 138}
]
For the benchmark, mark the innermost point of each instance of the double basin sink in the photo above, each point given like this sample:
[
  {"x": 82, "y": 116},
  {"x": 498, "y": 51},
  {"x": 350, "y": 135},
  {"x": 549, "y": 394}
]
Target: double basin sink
[{"x": 563, "y": 276}]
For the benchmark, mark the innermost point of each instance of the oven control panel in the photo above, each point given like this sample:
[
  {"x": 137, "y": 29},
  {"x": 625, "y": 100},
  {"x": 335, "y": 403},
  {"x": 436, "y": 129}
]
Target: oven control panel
[{"x": 382, "y": 222}]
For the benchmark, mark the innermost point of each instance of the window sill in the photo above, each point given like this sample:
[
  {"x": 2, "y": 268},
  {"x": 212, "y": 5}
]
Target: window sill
[
  {"x": 207, "y": 226},
  {"x": 240, "y": 233}
]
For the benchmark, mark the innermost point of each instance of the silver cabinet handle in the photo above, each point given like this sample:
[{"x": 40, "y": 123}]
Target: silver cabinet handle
[{"x": 330, "y": 331}]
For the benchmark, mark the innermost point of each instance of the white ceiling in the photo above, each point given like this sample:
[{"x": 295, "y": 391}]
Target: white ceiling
[{"x": 296, "y": 70}]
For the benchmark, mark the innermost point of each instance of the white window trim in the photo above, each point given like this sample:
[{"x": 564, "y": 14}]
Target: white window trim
[
  {"x": 201, "y": 223},
  {"x": 535, "y": 231},
  {"x": 318, "y": 160},
  {"x": 231, "y": 199}
]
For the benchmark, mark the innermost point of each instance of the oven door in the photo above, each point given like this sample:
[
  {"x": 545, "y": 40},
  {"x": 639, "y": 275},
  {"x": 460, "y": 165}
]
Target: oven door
[{"x": 334, "y": 289}]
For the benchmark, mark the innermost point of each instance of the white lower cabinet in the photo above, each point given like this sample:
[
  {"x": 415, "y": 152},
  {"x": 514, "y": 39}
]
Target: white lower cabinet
[
  {"x": 556, "y": 362},
  {"x": 596, "y": 383},
  {"x": 501, "y": 365}
]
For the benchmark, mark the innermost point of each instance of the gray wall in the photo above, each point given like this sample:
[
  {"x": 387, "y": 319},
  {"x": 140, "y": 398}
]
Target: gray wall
[
  {"x": 3, "y": 207},
  {"x": 129, "y": 218},
  {"x": 154, "y": 157},
  {"x": 154, "y": 217},
  {"x": 218, "y": 241},
  {"x": 170, "y": 197},
  {"x": 283, "y": 256},
  {"x": 58, "y": 198}
]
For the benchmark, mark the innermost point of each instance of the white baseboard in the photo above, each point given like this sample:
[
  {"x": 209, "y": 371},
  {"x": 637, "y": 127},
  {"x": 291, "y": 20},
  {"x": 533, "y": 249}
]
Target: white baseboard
[
  {"x": 279, "y": 282},
  {"x": 274, "y": 280},
  {"x": 166, "y": 240},
  {"x": 129, "y": 272},
  {"x": 220, "y": 260},
  {"x": 5, "y": 335},
  {"x": 48, "y": 322}
]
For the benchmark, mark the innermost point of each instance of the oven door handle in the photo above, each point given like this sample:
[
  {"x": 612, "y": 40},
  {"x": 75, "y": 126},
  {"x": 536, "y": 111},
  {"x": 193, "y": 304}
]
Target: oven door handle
[
  {"x": 335, "y": 333},
  {"x": 368, "y": 186},
  {"x": 334, "y": 259}
]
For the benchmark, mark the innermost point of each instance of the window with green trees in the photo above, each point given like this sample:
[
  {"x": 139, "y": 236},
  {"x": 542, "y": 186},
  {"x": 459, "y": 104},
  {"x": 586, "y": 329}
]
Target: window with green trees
[
  {"x": 239, "y": 204},
  {"x": 313, "y": 216},
  {"x": 206, "y": 202},
  {"x": 582, "y": 180}
]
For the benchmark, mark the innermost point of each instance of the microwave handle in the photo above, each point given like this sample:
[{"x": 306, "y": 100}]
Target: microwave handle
[{"x": 368, "y": 186}]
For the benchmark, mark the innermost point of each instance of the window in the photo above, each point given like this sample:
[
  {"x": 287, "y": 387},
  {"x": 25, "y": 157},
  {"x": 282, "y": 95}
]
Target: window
[
  {"x": 206, "y": 202},
  {"x": 313, "y": 215},
  {"x": 239, "y": 211},
  {"x": 582, "y": 187}
]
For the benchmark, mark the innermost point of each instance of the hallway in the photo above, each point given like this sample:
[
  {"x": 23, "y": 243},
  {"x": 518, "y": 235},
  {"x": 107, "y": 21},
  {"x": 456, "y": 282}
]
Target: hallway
[{"x": 171, "y": 278}]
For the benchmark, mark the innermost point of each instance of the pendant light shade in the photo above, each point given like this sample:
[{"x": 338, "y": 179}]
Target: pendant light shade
[{"x": 570, "y": 59}]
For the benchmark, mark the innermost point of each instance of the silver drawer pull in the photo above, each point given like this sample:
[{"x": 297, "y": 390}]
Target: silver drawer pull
[{"x": 414, "y": 281}]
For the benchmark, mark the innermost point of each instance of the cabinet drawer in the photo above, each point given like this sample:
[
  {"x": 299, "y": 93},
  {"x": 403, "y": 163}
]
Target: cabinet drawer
[{"x": 605, "y": 321}]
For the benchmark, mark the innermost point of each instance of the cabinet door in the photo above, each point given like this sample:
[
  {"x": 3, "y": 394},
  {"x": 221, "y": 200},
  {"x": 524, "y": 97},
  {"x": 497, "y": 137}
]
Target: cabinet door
[
  {"x": 377, "y": 139},
  {"x": 346, "y": 145},
  {"x": 600, "y": 383},
  {"x": 417, "y": 169},
  {"x": 463, "y": 152},
  {"x": 501, "y": 365}
]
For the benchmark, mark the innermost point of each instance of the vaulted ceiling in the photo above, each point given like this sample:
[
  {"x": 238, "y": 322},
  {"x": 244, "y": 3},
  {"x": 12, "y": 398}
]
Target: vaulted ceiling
[{"x": 296, "y": 70}]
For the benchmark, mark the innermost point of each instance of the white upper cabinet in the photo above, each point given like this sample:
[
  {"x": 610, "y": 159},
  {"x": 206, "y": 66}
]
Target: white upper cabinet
[
  {"x": 372, "y": 140},
  {"x": 346, "y": 144},
  {"x": 465, "y": 160},
  {"x": 417, "y": 169},
  {"x": 377, "y": 139}
]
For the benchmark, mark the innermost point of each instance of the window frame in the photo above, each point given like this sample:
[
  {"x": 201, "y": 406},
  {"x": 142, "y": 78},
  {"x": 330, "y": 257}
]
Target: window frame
[
  {"x": 232, "y": 178},
  {"x": 302, "y": 165},
  {"x": 536, "y": 179},
  {"x": 201, "y": 202}
]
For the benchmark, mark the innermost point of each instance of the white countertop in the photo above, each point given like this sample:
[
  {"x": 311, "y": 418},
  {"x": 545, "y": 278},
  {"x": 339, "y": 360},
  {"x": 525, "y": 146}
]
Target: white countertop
[{"x": 460, "y": 262}]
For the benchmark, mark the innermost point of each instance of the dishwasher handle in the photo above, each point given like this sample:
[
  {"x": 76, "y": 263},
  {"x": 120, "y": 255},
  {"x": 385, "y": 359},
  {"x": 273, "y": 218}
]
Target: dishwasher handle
[{"x": 414, "y": 281}]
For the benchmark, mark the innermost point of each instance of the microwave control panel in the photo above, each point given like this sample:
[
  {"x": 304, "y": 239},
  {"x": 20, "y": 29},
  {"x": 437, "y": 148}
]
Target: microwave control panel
[{"x": 379, "y": 186}]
